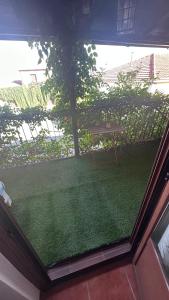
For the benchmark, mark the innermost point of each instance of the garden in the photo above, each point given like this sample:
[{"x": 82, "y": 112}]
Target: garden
[
  {"x": 79, "y": 185},
  {"x": 25, "y": 140},
  {"x": 68, "y": 205}
]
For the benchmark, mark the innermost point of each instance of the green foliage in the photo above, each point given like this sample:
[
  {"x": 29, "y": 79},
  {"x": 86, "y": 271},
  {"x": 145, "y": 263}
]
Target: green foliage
[
  {"x": 142, "y": 115},
  {"x": 71, "y": 68},
  {"x": 129, "y": 104},
  {"x": 86, "y": 141},
  {"x": 36, "y": 151},
  {"x": 142, "y": 121},
  {"x": 12, "y": 119},
  {"x": 14, "y": 151},
  {"x": 9, "y": 124},
  {"x": 25, "y": 96},
  {"x": 128, "y": 85},
  {"x": 33, "y": 115}
]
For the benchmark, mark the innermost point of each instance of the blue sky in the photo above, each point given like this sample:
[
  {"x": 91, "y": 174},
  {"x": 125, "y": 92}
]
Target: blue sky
[{"x": 16, "y": 55}]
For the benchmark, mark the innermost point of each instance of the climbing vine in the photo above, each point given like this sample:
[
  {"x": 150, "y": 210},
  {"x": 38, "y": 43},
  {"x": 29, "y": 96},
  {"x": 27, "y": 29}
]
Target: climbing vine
[{"x": 69, "y": 65}]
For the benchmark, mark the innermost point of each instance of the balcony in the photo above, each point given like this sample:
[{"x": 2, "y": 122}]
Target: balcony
[{"x": 68, "y": 206}]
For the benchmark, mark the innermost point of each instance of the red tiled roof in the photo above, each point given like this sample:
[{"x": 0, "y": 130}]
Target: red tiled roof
[{"x": 149, "y": 66}]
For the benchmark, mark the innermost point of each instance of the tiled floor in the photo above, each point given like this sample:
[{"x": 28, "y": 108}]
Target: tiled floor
[{"x": 116, "y": 284}]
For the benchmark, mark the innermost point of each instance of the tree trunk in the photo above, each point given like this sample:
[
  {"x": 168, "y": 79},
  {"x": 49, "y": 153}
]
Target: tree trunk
[{"x": 70, "y": 73}]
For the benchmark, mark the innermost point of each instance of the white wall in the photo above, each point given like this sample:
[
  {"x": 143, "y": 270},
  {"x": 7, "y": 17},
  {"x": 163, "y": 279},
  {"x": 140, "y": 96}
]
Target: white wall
[
  {"x": 26, "y": 76},
  {"x": 13, "y": 285},
  {"x": 160, "y": 87}
]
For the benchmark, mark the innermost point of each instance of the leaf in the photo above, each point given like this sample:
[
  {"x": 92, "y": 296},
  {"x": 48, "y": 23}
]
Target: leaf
[
  {"x": 89, "y": 49},
  {"x": 39, "y": 61},
  {"x": 40, "y": 53}
]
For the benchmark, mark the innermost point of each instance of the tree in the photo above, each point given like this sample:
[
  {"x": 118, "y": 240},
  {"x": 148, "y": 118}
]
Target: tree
[
  {"x": 68, "y": 63},
  {"x": 72, "y": 74},
  {"x": 127, "y": 85}
]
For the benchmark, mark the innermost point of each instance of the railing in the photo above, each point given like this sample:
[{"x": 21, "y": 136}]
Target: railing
[
  {"x": 27, "y": 133},
  {"x": 30, "y": 136},
  {"x": 141, "y": 121}
]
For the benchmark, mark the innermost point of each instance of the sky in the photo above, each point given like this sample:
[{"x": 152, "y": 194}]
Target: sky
[{"x": 16, "y": 55}]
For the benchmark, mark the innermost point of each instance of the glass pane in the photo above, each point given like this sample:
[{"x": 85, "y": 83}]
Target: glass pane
[
  {"x": 69, "y": 205},
  {"x": 125, "y": 16}
]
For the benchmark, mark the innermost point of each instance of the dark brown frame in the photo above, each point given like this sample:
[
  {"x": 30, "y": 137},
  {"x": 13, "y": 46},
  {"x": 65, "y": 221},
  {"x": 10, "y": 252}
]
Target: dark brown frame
[
  {"x": 18, "y": 250},
  {"x": 127, "y": 247},
  {"x": 156, "y": 235},
  {"x": 147, "y": 244},
  {"x": 156, "y": 183}
]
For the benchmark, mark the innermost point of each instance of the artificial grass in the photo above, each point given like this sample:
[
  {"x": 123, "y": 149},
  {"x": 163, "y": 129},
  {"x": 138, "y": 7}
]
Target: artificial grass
[{"x": 66, "y": 207}]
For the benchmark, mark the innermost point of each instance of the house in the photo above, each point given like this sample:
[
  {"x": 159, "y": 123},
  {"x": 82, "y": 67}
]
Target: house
[
  {"x": 148, "y": 67},
  {"x": 32, "y": 76}
]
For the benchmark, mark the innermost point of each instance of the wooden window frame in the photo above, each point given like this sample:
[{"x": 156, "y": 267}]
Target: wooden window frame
[{"x": 18, "y": 250}]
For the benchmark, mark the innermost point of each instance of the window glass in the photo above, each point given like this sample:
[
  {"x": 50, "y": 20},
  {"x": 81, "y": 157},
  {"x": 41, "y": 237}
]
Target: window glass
[{"x": 69, "y": 204}]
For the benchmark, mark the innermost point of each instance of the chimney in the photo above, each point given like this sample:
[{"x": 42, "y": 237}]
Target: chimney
[{"x": 151, "y": 66}]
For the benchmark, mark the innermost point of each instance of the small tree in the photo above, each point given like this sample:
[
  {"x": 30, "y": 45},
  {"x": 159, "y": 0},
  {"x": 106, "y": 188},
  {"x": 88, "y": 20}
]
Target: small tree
[
  {"x": 127, "y": 84},
  {"x": 72, "y": 74},
  {"x": 67, "y": 65}
]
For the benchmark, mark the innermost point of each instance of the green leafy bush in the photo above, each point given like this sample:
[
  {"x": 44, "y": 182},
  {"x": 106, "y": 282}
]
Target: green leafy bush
[
  {"x": 25, "y": 96},
  {"x": 142, "y": 115}
]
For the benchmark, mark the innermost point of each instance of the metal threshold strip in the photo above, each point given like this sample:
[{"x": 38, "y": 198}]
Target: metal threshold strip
[{"x": 74, "y": 265}]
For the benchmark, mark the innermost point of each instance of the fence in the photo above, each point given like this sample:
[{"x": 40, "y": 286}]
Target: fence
[
  {"x": 27, "y": 133},
  {"x": 140, "y": 121},
  {"x": 33, "y": 135}
]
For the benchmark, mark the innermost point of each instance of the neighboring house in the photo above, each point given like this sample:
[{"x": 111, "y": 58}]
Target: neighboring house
[
  {"x": 29, "y": 76},
  {"x": 150, "y": 66}
]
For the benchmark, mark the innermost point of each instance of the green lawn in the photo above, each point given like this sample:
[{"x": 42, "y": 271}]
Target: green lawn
[{"x": 66, "y": 207}]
